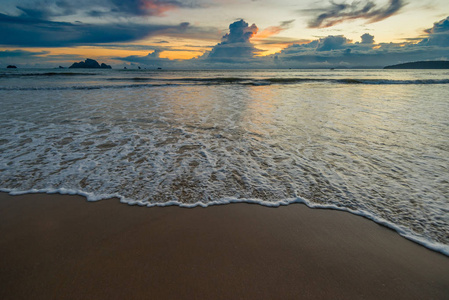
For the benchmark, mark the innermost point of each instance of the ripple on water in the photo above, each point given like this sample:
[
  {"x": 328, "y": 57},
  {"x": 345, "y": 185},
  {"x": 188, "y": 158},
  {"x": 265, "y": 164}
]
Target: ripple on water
[{"x": 379, "y": 150}]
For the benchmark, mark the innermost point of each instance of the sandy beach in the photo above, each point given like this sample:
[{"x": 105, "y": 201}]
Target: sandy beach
[{"x": 63, "y": 247}]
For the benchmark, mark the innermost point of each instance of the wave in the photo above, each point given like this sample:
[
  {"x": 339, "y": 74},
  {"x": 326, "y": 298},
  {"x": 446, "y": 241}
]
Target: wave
[
  {"x": 148, "y": 82},
  {"x": 47, "y": 74},
  {"x": 390, "y": 81},
  {"x": 401, "y": 230},
  {"x": 293, "y": 80},
  {"x": 87, "y": 87}
]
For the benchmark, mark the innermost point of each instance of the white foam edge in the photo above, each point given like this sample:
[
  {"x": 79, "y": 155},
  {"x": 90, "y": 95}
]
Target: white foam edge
[{"x": 401, "y": 230}]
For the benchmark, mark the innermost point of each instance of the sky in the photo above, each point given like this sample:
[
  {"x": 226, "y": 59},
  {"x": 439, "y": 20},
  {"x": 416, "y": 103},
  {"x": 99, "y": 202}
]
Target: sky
[{"x": 223, "y": 33}]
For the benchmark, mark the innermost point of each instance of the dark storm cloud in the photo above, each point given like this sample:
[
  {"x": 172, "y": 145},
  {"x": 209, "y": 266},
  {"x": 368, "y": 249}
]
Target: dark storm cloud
[
  {"x": 239, "y": 32},
  {"x": 100, "y": 8},
  {"x": 367, "y": 39},
  {"x": 332, "y": 43},
  {"x": 339, "y": 12},
  {"x": 338, "y": 51},
  {"x": 21, "y": 53},
  {"x": 353, "y": 59},
  {"x": 147, "y": 7},
  {"x": 48, "y": 9},
  {"x": 236, "y": 44},
  {"x": 438, "y": 34},
  {"x": 35, "y": 32}
]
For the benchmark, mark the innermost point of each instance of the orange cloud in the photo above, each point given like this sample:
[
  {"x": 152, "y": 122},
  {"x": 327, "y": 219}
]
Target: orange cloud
[
  {"x": 158, "y": 8},
  {"x": 269, "y": 31},
  {"x": 273, "y": 30}
]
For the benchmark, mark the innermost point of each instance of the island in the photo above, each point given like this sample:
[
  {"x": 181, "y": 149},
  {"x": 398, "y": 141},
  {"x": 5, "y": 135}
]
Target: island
[
  {"x": 438, "y": 64},
  {"x": 11, "y": 67},
  {"x": 89, "y": 64}
]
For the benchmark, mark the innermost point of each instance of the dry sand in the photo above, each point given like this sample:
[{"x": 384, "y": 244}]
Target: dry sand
[{"x": 63, "y": 247}]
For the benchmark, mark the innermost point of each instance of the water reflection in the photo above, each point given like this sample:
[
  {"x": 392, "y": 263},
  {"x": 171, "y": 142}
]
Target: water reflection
[{"x": 382, "y": 149}]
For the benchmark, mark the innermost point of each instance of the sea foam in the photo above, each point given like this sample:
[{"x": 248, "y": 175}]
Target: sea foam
[{"x": 376, "y": 151}]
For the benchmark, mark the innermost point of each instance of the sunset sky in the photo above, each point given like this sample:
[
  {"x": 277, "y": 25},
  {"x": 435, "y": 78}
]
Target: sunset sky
[{"x": 223, "y": 34}]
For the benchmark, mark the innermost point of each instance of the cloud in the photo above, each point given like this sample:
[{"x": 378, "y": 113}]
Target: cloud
[
  {"x": 282, "y": 41},
  {"x": 235, "y": 50},
  {"x": 438, "y": 34},
  {"x": 33, "y": 32},
  {"x": 21, "y": 53},
  {"x": 236, "y": 44},
  {"x": 340, "y": 12},
  {"x": 34, "y": 59},
  {"x": 239, "y": 32},
  {"x": 102, "y": 8},
  {"x": 151, "y": 60},
  {"x": 49, "y": 9},
  {"x": 367, "y": 39},
  {"x": 332, "y": 43},
  {"x": 147, "y": 7},
  {"x": 338, "y": 51},
  {"x": 273, "y": 30}
]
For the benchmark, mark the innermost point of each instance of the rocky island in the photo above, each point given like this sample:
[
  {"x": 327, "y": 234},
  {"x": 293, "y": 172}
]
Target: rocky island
[
  {"x": 438, "y": 64},
  {"x": 89, "y": 64}
]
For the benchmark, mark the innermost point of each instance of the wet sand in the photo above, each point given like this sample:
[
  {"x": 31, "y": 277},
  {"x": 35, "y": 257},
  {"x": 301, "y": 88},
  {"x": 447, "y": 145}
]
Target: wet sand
[{"x": 63, "y": 247}]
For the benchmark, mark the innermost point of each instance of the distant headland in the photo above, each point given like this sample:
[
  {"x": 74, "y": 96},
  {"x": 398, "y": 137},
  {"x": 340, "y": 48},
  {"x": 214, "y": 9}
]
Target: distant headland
[
  {"x": 89, "y": 64},
  {"x": 439, "y": 64}
]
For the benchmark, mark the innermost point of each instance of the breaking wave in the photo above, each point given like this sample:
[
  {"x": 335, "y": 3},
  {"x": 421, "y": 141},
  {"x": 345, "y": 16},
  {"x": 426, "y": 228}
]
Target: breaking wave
[{"x": 148, "y": 82}]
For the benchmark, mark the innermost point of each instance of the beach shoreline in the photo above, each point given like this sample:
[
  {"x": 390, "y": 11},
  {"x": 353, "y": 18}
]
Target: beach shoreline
[{"x": 63, "y": 247}]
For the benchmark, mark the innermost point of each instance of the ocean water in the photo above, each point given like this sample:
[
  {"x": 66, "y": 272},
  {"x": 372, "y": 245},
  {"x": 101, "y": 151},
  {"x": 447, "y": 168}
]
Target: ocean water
[{"x": 372, "y": 142}]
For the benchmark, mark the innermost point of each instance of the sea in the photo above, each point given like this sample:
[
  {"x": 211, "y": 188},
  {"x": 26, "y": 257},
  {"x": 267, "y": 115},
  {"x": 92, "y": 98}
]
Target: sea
[{"x": 371, "y": 142}]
